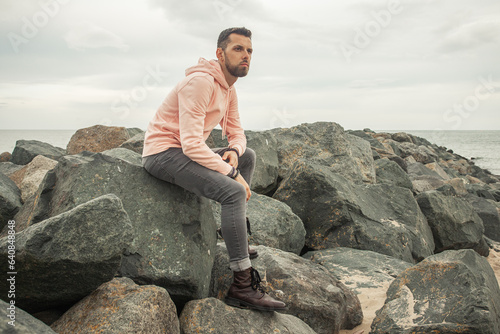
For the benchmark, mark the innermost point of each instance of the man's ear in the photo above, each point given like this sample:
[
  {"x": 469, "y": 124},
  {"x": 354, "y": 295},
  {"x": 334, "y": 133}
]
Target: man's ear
[{"x": 220, "y": 54}]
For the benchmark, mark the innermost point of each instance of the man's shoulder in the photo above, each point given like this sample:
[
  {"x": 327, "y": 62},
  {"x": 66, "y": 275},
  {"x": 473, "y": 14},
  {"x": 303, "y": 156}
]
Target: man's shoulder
[
  {"x": 198, "y": 79},
  {"x": 199, "y": 76}
]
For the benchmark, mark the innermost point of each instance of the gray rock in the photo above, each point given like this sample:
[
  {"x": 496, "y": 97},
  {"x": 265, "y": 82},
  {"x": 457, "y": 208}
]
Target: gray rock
[
  {"x": 366, "y": 273},
  {"x": 400, "y": 161},
  {"x": 418, "y": 169},
  {"x": 336, "y": 213},
  {"x": 309, "y": 290},
  {"x": 174, "y": 230},
  {"x": 132, "y": 132},
  {"x": 135, "y": 143},
  {"x": 124, "y": 154},
  {"x": 211, "y": 315},
  {"x": 454, "y": 223},
  {"x": 483, "y": 175},
  {"x": 402, "y": 137},
  {"x": 64, "y": 258},
  {"x": 488, "y": 213},
  {"x": 24, "y": 323},
  {"x": 28, "y": 178},
  {"x": 389, "y": 172},
  {"x": 358, "y": 269},
  {"x": 362, "y": 134},
  {"x": 361, "y": 153},
  {"x": 265, "y": 177},
  {"x": 421, "y": 153},
  {"x": 8, "y": 168},
  {"x": 394, "y": 146},
  {"x": 26, "y": 150},
  {"x": 121, "y": 306},
  {"x": 273, "y": 224},
  {"x": 323, "y": 143},
  {"x": 451, "y": 292},
  {"x": 426, "y": 183},
  {"x": 481, "y": 190},
  {"x": 10, "y": 200}
]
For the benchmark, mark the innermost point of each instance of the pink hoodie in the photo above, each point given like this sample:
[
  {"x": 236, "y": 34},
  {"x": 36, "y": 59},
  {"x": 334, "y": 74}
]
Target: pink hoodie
[{"x": 189, "y": 113}]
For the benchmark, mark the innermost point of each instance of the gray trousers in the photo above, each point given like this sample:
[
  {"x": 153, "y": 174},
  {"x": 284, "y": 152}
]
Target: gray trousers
[{"x": 175, "y": 167}]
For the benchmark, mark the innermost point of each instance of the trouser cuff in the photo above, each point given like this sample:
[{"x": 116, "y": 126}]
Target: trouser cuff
[{"x": 240, "y": 265}]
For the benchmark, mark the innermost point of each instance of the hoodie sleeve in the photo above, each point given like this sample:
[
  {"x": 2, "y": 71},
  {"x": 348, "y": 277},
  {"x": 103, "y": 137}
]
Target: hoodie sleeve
[
  {"x": 194, "y": 98},
  {"x": 235, "y": 134}
]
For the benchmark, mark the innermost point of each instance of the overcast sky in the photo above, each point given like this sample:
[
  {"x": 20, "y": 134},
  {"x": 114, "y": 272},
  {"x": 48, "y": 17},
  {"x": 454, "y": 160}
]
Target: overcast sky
[{"x": 385, "y": 65}]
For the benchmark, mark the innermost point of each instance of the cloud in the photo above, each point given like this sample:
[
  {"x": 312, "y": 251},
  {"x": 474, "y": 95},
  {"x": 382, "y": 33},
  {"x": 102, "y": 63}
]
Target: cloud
[
  {"x": 471, "y": 35},
  {"x": 87, "y": 35}
]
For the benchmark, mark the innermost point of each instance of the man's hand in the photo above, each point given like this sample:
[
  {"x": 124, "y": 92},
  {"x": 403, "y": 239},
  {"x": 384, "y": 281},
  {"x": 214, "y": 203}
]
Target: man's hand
[
  {"x": 241, "y": 180},
  {"x": 233, "y": 158}
]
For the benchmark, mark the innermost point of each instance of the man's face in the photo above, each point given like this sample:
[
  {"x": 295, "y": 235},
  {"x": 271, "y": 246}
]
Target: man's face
[{"x": 237, "y": 55}]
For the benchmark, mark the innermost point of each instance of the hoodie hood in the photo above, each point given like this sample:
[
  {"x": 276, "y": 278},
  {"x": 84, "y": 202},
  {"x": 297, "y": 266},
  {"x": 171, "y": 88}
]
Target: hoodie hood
[{"x": 211, "y": 67}]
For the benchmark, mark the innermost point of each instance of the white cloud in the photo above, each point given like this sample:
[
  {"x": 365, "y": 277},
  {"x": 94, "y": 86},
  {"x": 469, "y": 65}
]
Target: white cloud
[{"x": 87, "y": 35}]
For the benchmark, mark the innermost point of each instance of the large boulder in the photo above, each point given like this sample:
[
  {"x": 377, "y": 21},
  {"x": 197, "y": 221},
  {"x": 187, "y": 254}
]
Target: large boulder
[
  {"x": 390, "y": 172},
  {"x": 309, "y": 290},
  {"x": 359, "y": 269},
  {"x": 362, "y": 155},
  {"x": 275, "y": 225},
  {"x": 454, "y": 223},
  {"x": 421, "y": 153},
  {"x": 10, "y": 200},
  {"x": 336, "y": 213},
  {"x": 325, "y": 144},
  {"x": 28, "y": 178},
  {"x": 451, "y": 292},
  {"x": 27, "y": 150},
  {"x": 488, "y": 212},
  {"x": 15, "y": 320},
  {"x": 5, "y": 157},
  {"x": 135, "y": 143},
  {"x": 121, "y": 306},
  {"x": 64, "y": 258},
  {"x": 211, "y": 315},
  {"x": 8, "y": 168},
  {"x": 97, "y": 138},
  {"x": 174, "y": 230},
  {"x": 265, "y": 177},
  {"x": 272, "y": 224},
  {"x": 374, "y": 143},
  {"x": 366, "y": 273}
]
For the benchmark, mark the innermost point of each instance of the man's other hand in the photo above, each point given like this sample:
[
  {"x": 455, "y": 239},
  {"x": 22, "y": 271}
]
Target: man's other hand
[{"x": 231, "y": 157}]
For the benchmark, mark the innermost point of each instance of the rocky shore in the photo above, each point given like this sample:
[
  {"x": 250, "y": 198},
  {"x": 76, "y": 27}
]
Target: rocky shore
[{"x": 356, "y": 230}]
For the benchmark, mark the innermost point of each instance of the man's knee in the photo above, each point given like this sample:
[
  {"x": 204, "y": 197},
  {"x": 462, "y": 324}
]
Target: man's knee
[{"x": 249, "y": 154}]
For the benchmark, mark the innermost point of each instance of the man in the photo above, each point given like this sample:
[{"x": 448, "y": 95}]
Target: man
[{"x": 175, "y": 151}]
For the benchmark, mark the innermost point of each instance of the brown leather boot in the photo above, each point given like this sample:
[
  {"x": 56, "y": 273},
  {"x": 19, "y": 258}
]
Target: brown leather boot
[{"x": 246, "y": 292}]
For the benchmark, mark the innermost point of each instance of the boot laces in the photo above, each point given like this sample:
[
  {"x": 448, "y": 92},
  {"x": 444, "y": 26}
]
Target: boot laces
[{"x": 256, "y": 280}]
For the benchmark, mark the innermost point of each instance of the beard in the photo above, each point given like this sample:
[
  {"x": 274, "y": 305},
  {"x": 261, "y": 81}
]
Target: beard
[{"x": 236, "y": 70}]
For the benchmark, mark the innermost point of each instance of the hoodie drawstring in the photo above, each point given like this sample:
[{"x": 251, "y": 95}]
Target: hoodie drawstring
[{"x": 224, "y": 124}]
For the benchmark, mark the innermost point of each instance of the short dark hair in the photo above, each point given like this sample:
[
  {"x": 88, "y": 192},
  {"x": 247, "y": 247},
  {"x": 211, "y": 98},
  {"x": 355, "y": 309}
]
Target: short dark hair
[{"x": 223, "y": 40}]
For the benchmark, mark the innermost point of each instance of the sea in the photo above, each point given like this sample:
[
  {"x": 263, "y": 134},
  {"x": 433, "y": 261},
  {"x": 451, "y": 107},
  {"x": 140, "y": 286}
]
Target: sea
[{"x": 482, "y": 146}]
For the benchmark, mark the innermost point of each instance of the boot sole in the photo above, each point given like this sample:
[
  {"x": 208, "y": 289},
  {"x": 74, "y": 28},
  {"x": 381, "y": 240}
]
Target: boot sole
[{"x": 245, "y": 305}]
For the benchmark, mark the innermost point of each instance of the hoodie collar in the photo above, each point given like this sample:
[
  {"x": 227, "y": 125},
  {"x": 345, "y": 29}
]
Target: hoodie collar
[{"x": 211, "y": 67}]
